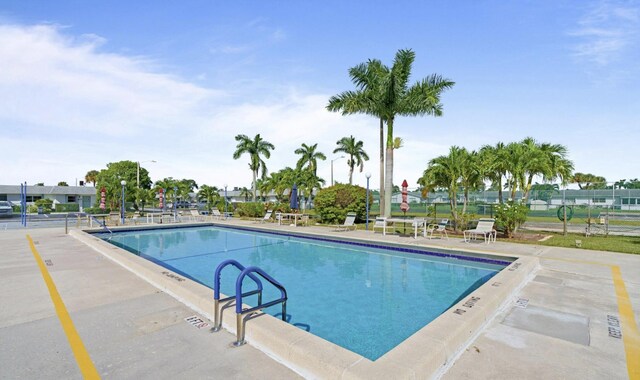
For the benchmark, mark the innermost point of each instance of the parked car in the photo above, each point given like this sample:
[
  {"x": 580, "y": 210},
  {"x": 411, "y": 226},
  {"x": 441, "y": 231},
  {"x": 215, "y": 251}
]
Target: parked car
[
  {"x": 5, "y": 209},
  {"x": 183, "y": 204}
]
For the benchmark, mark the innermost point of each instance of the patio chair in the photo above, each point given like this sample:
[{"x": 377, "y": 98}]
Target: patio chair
[
  {"x": 195, "y": 216},
  {"x": 381, "y": 222},
  {"x": 215, "y": 214},
  {"x": 348, "y": 223},
  {"x": 484, "y": 228},
  {"x": 440, "y": 228},
  {"x": 265, "y": 218}
]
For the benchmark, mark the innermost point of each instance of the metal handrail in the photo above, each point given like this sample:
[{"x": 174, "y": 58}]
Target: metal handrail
[
  {"x": 217, "y": 323},
  {"x": 103, "y": 225},
  {"x": 239, "y": 312}
]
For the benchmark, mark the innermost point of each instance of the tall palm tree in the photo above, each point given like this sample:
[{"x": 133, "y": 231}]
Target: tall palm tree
[
  {"x": 256, "y": 148},
  {"x": 356, "y": 153},
  {"x": 388, "y": 95},
  {"x": 309, "y": 157},
  {"x": 366, "y": 99}
]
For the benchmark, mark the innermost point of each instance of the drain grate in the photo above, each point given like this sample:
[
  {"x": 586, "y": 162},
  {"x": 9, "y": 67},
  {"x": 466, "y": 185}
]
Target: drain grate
[
  {"x": 614, "y": 326},
  {"x": 459, "y": 311},
  {"x": 522, "y": 302},
  {"x": 196, "y": 321}
]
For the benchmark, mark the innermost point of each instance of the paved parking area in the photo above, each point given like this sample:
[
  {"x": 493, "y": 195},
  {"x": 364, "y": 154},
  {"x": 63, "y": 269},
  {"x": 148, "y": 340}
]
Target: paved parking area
[{"x": 575, "y": 318}]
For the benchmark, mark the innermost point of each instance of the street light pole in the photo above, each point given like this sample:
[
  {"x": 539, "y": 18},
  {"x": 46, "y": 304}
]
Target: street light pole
[
  {"x": 368, "y": 175},
  {"x": 175, "y": 199},
  {"x": 225, "y": 200},
  {"x": 123, "y": 183},
  {"x": 337, "y": 158}
]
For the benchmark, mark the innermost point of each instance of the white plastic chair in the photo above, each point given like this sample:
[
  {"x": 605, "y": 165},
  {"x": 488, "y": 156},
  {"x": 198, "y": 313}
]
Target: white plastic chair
[
  {"x": 440, "y": 228},
  {"x": 484, "y": 228}
]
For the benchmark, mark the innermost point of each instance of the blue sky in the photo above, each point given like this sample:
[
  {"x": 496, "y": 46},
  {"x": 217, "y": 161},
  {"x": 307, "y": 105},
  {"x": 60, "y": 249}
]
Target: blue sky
[{"x": 87, "y": 83}]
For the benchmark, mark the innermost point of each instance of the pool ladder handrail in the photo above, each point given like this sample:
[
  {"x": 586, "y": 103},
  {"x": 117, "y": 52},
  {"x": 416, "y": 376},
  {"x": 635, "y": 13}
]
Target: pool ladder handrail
[
  {"x": 248, "y": 271},
  {"x": 239, "y": 312},
  {"x": 103, "y": 225},
  {"x": 217, "y": 323}
]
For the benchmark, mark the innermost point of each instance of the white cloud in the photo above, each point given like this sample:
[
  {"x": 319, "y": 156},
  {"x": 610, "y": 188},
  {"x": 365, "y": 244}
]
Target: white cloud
[
  {"x": 606, "y": 32},
  {"x": 67, "y": 107}
]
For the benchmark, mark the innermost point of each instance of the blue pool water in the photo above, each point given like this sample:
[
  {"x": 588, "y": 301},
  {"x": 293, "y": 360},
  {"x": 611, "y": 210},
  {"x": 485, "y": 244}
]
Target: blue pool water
[{"x": 365, "y": 299}]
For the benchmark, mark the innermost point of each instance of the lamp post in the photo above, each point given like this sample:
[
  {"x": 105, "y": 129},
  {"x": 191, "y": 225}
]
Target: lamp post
[
  {"x": 368, "y": 175},
  {"x": 337, "y": 158},
  {"x": 123, "y": 183},
  {"x": 175, "y": 200},
  {"x": 225, "y": 200}
]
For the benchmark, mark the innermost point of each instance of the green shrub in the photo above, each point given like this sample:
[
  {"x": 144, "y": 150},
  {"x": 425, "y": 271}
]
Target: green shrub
[
  {"x": 250, "y": 209},
  {"x": 511, "y": 215},
  {"x": 97, "y": 210},
  {"x": 45, "y": 204},
  {"x": 333, "y": 203},
  {"x": 32, "y": 209},
  {"x": 67, "y": 207},
  {"x": 16, "y": 208}
]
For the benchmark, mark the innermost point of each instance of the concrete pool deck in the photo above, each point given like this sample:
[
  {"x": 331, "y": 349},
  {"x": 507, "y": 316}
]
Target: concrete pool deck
[{"x": 565, "y": 325}]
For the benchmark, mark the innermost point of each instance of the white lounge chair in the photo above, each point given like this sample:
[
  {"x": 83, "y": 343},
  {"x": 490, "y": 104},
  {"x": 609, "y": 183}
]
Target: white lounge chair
[
  {"x": 440, "y": 228},
  {"x": 215, "y": 214},
  {"x": 349, "y": 223},
  {"x": 484, "y": 228},
  {"x": 195, "y": 216},
  {"x": 265, "y": 218},
  {"x": 381, "y": 222}
]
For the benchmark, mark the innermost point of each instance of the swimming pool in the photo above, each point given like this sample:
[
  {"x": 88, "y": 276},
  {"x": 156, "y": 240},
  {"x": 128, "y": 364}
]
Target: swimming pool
[{"x": 359, "y": 296}]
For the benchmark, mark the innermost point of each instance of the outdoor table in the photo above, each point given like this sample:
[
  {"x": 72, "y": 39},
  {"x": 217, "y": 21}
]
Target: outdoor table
[
  {"x": 288, "y": 215},
  {"x": 405, "y": 222}
]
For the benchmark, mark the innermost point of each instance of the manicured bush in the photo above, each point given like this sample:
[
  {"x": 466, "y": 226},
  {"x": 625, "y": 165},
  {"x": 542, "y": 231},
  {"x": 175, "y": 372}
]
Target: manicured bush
[
  {"x": 67, "y": 207},
  {"x": 333, "y": 203},
  {"x": 511, "y": 215},
  {"x": 45, "y": 204},
  {"x": 250, "y": 209},
  {"x": 97, "y": 210}
]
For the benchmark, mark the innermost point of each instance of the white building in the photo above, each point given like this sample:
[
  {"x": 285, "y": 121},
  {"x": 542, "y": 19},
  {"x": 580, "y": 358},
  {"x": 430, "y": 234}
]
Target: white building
[{"x": 80, "y": 195}]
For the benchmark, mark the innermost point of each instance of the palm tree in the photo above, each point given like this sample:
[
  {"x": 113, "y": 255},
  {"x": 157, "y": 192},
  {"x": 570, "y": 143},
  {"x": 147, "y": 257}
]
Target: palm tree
[
  {"x": 91, "y": 176},
  {"x": 255, "y": 148},
  {"x": 209, "y": 194},
  {"x": 388, "y": 95},
  {"x": 263, "y": 187},
  {"x": 356, "y": 153},
  {"x": 445, "y": 172},
  {"x": 246, "y": 193},
  {"x": 309, "y": 157},
  {"x": 366, "y": 99},
  {"x": 494, "y": 165}
]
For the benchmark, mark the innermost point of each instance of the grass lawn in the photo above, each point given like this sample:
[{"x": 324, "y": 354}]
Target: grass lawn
[{"x": 623, "y": 244}]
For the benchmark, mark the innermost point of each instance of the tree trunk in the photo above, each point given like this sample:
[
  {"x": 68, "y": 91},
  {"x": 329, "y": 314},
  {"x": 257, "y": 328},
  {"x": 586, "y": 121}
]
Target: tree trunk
[
  {"x": 382, "y": 184},
  {"x": 388, "y": 182},
  {"x": 351, "y": 175},
  {"x": 500, "y": 189},
  {"x": 527, "y": 190},
  {"x": 255, "y": 183}
]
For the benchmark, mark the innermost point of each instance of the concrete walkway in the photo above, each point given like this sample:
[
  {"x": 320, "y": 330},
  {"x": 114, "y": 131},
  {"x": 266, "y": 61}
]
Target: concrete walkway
[{"x": 570, "y": 321}]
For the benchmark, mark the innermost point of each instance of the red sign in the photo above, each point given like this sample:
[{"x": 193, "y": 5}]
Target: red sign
[
  {"x": 103, "y": 194},
  {"x": 161, "y": 196}
]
